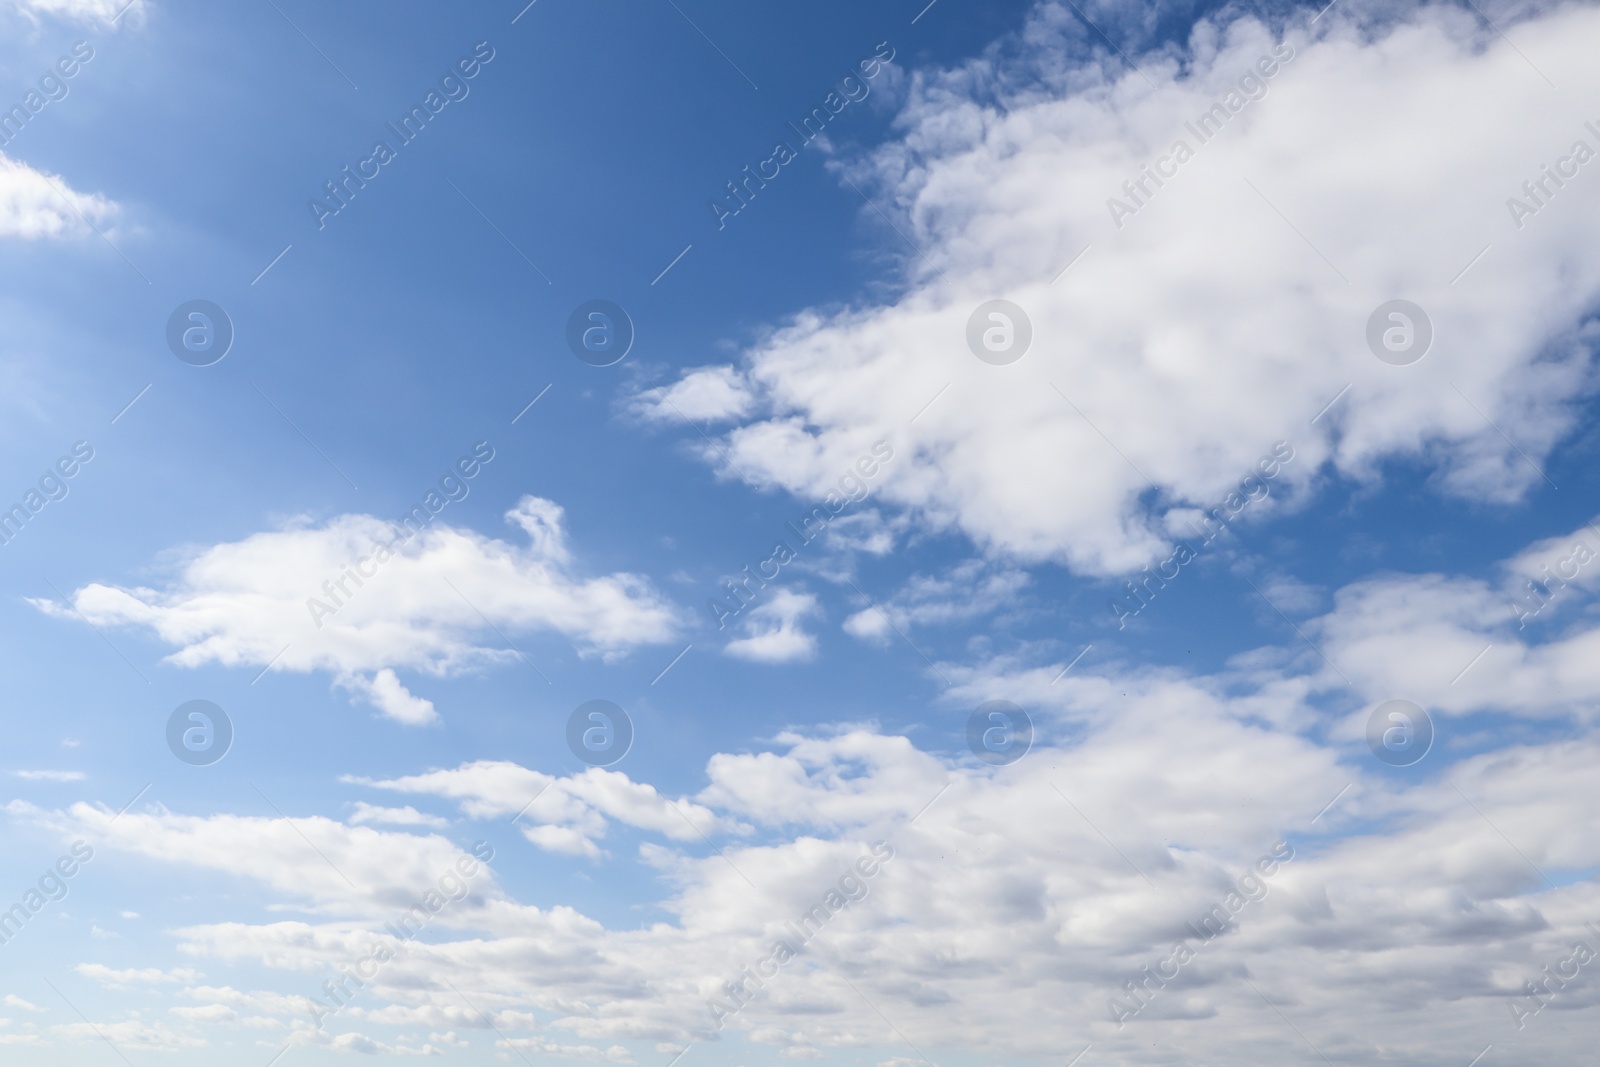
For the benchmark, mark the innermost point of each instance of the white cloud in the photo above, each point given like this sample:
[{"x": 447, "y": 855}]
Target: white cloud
[
  {"x": 407, "y": 816},
  {"x": 277, "y": 598},
  {"x": 774, "y": 632},
  {"x": 1206, "y": 328},
  {"x": 1418, "y": 636},
  {"x": 103, "y": 13},
  {"x": 969, "y": 590},
  {"x": 206, "y": 1013},
  {"x": 1015, "y": 905},
  {"x": 35, "y": 204},
  {"x": 614, "y": 1054},
  {"x": 50, "y": 776},
  {"x": 560, "y": 814},
  {"x": 384, "y": 692},
  {"x": 262, "y": 1001},
  {"x": 711, "y": 394},
  {"x": 323, "y": 865},
  {"x": 1553, "y": 564},
  {"x": 122, "y": 979},
  {"x": 129, "y": 1033},
  {"x": 856, "y": 778}
]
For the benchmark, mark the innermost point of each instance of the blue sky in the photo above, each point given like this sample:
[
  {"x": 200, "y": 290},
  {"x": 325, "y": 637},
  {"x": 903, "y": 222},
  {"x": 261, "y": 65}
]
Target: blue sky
[{"x": 818, "y": 337}]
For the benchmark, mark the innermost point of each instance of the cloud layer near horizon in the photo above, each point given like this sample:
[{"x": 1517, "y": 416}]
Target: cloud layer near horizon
[{"x": 1020, "y": 900}]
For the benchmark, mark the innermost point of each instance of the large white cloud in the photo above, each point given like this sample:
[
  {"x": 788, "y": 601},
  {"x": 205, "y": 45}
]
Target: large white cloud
[
  {"x": 441, "y": 603},
  {"x": 1227, "y": 311}
]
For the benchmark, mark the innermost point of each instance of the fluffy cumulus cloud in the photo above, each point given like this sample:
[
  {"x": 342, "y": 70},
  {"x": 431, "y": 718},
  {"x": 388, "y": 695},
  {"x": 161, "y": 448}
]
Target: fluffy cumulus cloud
[
  {"x": 36, "y": 204},
  {"x": 1304, "y": 176},
  {"x": 774, "y": 632},
  {"x": 351, "y": 598},
  {"x": 711, "y": 394},
  {"x": 1526, "y": 640},
  {"x": 561, "y": 814}
]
